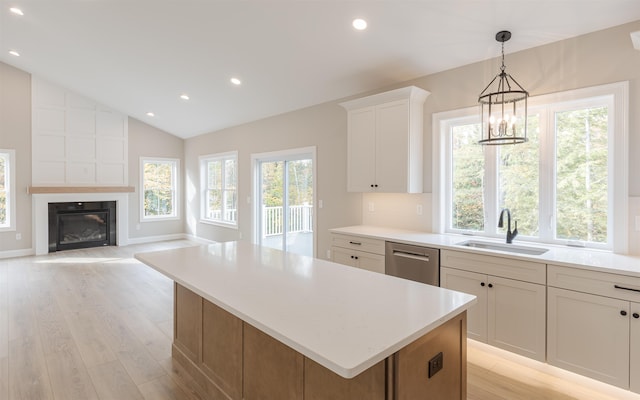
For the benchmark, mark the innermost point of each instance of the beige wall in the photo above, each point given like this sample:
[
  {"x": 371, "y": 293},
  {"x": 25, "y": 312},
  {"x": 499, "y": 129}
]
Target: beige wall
[
  {"x": 322, "y": 126},
  {"x": 147, "y": 141},
  {"x": 15, "y": 133},
  {"x": 596, "y": 58}
]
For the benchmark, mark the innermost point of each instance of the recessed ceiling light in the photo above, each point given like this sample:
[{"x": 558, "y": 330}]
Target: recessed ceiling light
[
  {"x": 150, "y": 114},
  {"x": 16, "y": 11},
  {"x": 184, "y": 97},
  {"x": 359, "y": 24},
  {"x": 14, "y": 53},
  {"x": 235, "y": 81}
]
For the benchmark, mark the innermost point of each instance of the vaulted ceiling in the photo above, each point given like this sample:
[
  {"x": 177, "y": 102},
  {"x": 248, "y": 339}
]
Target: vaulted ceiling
[{"x": 140, "y": 56}]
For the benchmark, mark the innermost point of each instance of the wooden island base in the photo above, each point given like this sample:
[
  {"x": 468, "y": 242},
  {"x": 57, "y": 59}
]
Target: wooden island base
[{"x": 230, "y": 359}]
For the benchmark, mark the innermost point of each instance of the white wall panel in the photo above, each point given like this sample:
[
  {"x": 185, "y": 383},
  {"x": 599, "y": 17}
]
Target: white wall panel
[
  {"x": 111, "y": 174},
  {"x": 49, "y": 148},
  {"x": 49, "y": 172},
  {"x": 76, "y": 101},
  {"x": 81, "y": 148},
  {"x": 110, "y": 124},
  {"x": 87, "y": 141},
  {"x": 49, "y": 120},
  {"x": 111, "y": 150},
  {"x": 81, "y": 173},
  {"x": 81, "y": 122},
  {"x": 46, "y": 94}
]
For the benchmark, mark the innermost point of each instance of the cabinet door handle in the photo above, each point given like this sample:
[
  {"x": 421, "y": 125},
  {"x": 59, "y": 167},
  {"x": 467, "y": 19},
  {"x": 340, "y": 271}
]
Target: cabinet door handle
[
  {"x": 375, "y": 185},
  {"x": 636, "y": 315},
  {"x": 491, "y": 285},
  {"x": 482, "y": 284},
  {"x": 356, "y": 257},
  {"x": 356, "y": 243},
  {"x": 623, "y": 313},
  {"x": 626, "y": 288},
  {"x": 372, "y": 185}
]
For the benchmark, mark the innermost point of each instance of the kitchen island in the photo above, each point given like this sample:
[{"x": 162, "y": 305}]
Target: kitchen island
[{"x": 258, "y": 323}]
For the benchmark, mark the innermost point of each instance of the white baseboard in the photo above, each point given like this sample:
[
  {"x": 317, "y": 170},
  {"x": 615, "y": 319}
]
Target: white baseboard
[
  {"x": 160, "y": 238},
  {"x": 199, "y": 239},
  {"x": 17, "y": 253}
]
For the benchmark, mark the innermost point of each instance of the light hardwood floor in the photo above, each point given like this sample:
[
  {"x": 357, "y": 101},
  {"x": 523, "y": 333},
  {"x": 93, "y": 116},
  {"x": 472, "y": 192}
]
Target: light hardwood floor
[{"x": 97, "y": 324}]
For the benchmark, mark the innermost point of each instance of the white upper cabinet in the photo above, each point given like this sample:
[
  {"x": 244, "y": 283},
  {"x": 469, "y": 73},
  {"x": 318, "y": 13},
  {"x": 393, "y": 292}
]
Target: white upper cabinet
[{"x": 385, "y": 136}]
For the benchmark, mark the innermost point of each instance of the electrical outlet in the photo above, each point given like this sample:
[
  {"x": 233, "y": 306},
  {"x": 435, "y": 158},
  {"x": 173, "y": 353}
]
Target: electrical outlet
[
  {"x": 328, "y": 254},
  {"x": 320, "y": 204},
  {"x": 372, "y": 207},
  {"x": 419, "y": 209},
  {"x": 18, "y": 236},
  {"x": 436, "y": 364}
]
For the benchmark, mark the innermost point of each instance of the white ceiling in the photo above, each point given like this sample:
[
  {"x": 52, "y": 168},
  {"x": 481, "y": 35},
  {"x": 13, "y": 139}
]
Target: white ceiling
[{"x": 139, "y": 55}]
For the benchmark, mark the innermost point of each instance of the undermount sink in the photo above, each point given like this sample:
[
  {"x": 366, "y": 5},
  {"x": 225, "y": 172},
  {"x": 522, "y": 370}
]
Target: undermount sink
[{"x": 534, "y": 251}]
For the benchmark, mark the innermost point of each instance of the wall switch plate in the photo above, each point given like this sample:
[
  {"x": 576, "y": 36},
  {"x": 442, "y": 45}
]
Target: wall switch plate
[
  {"x": 328, "y": 254},
  {"x": 419, "y": 209},
  {"x": 18, "y": 236},
  {"x": 436, "y": 364},
  {"x": 372, "y": 207},
  {"x": 320, "y": 204}
]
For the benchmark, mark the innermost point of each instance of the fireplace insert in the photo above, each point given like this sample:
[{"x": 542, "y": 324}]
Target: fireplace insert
[{"x": 78, "y": 225}]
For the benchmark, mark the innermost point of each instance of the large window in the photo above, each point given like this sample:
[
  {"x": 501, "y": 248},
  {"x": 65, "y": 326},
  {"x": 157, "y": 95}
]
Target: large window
[
  {"x": 159, "y": 188},
  {"x": 7, "y": 190},
  {"x": 219, "y": 183},
  {"x": 566, "y": 185}
]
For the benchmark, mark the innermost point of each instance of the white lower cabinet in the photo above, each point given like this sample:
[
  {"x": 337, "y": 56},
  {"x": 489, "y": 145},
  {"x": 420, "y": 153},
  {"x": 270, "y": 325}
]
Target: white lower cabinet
[
  {"x": 594, "y": 325},
  {"x": 511, "y": 308},
  {"x": 634, "y": 349},
  {"x": 475, "y": 284},
  {"x": 359, "y": 252},
  {"x": 509, "y": 314},
  {"x": 359, "y": 259},
  {"x": 589, "y": 335}
]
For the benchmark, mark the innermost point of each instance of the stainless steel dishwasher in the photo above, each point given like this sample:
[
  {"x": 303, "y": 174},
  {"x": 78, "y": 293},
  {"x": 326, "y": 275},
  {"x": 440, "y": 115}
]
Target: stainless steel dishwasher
[{"x": 417, "y": 263}]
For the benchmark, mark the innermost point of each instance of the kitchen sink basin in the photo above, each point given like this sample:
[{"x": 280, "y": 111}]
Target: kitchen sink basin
[{"x": 510, "y": 248}]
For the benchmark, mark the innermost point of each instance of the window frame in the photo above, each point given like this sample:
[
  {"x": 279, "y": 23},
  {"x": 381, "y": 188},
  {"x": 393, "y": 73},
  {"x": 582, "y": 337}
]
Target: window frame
[
  {"x": 204, "y": 187},
  {"x": 10, "y": 187},
  {"x": 618, "y": 165},
  {"x": 175, "y": 184}
]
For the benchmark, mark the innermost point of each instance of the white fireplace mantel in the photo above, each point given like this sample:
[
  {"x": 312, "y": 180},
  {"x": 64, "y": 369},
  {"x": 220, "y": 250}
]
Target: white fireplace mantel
[{"x": 41, "y": 214}]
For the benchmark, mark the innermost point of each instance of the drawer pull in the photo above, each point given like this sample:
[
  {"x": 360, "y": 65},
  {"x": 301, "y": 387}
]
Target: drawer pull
[
  {"x": 626, "y": 288},
  {"x": 356, "y": 243}
]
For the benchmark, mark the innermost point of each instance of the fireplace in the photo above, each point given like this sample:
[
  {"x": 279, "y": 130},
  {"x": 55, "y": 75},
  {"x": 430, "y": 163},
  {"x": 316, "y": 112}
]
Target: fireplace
[{"x": 77, "y": 225}]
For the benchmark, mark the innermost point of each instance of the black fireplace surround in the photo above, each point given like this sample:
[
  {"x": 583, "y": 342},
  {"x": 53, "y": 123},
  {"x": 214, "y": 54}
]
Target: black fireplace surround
[{"x": 78, "y": 225}]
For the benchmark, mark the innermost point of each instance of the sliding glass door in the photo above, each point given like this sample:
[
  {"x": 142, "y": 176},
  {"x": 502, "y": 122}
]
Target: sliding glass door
[{"x": 285, "y": 198}]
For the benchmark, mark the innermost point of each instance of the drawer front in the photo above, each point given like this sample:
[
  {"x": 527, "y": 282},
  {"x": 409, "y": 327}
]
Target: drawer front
[
  {"x": 600, "y": 283},
  {"x": 526, "y": 271},
  {"x": 369, "y": 245}
]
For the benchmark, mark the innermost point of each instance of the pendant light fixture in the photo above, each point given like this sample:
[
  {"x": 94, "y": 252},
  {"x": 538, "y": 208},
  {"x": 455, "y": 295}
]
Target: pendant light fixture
[{"x": 503, "y": 104}]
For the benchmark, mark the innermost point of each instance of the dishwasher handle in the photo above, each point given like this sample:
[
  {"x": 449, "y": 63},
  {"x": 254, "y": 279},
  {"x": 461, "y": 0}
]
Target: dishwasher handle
[{"x": 413, "y": 256}]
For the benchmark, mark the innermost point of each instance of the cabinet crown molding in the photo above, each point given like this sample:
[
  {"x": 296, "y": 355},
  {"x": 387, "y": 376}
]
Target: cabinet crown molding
[{"x": 413, "y": 93}]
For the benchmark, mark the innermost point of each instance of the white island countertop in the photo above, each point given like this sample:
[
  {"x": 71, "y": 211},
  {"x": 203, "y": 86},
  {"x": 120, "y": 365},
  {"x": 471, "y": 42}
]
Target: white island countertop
[{"x": 344, "y": 318}]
